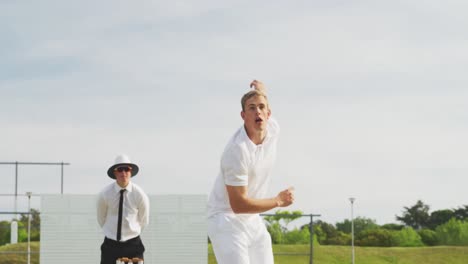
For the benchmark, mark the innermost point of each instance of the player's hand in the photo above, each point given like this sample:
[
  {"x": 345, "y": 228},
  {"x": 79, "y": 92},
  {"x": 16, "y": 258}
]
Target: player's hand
[
  {"x": 258, "y": 85},
  {"x": 286, "y": 197}
]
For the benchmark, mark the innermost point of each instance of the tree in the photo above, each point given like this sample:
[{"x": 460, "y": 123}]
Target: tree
[
  {"x": 35, "y": 224},
  {"x": 360, "y": 224},
  {"x": 324, "y": 231},
  {"x": 22, "y": 232},
  {"x": 279, "y": 233},
  {"x": 5, "y": 231},
  {"x": 439, "y": 217},
  {"x": 407, "y": 237},
  {"x": 428, "y": 237},
  {"x": 340, "y": 239},
  {"x": 286, "y": 216},
  {"x": 297, "y": 236},
  {"x": 376, "y": 238},
  {"x": 392, "y": 226},
  {"x": 461, "y": 213},
  {"x": 454, "y": 232},
  {"x": 327, "y": 234},
  {"x": 276, "y": 232},
  {"x": 416, "y": 216}
]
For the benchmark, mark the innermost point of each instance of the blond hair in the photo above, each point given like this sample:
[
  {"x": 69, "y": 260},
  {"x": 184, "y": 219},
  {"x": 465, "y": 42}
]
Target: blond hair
[{"x": 251, "y": 94}]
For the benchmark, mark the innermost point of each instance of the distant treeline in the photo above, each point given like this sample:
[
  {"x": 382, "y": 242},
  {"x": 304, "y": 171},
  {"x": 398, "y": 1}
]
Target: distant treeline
[
  {"x": 417, "y": 227},
  {"x": 5, "y": 228}
]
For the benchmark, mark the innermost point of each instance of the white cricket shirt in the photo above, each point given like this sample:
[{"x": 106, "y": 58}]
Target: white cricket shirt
[{"x": 244, "y": 164}]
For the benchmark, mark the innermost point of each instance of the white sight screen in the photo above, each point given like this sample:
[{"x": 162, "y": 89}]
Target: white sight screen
[{"x": 176, "y": 233}]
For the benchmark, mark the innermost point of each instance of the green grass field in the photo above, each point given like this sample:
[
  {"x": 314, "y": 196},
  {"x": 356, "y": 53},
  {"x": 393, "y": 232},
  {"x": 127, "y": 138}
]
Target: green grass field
[
  {"x": 18, "y": 253},
  {"x": 367, "y": 255},
  {"x": 322, "y": 255}
]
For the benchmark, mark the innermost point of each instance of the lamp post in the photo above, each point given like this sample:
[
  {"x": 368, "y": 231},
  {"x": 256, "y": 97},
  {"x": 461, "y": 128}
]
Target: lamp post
[
  {"x": 29, "y": 226},
  {"x": 352, "y": 229}
]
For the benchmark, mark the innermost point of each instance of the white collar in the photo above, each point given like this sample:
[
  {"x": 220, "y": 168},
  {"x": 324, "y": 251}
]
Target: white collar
[
  {"x": 129, "y": 187},
  {"x": 252, "y": 146}
]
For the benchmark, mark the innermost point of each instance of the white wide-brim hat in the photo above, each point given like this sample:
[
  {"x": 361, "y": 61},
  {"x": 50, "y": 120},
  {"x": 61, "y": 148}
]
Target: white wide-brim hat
[{"x": 122, "y": 160}]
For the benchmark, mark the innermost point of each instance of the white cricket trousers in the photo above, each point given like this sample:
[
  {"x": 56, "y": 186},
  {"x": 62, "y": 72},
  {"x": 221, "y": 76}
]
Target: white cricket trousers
[{"x": 240, "y": 239}]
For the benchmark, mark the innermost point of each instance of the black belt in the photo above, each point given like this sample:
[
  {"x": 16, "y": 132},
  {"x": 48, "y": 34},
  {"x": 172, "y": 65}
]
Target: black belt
[{"x": 112, "y": 241}]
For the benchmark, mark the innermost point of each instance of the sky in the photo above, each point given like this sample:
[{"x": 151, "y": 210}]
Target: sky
[{"x": 370, "y": 96}]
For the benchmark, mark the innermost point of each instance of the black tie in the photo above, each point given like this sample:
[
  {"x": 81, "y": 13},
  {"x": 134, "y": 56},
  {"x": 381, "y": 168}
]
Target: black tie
[{"x": 119, "y": 221}]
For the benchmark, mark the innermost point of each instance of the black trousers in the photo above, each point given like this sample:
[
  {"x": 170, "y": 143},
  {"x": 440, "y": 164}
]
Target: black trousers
[{"x": 111, "y": 250}]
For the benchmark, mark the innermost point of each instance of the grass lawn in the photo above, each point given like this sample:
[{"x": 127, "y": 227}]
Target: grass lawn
[
  {"x": 367, "y": 255},
  {"x": 322, "y": 255},
  {"x": 18, "y": 253}
]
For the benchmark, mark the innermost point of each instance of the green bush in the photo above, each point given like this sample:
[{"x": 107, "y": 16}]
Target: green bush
[
  {"x": 276, "y": 233},
  {"x": 454, "y": 233},
  {"x": 4, "y": 232},
  {"x": 339, "y": 239},
  {"x": 428, "y": 237},
  {"x": 22, "y": 232},
  {"x": 319, "y": 234},
  {"x": 297, "y": 236},
  {"x": 376, "y": 238},
  {"x": 407, "y": 237}
]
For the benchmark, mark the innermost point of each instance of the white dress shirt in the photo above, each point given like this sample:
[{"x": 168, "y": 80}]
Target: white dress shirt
[{"x": 135, "y": 215}]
